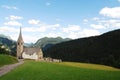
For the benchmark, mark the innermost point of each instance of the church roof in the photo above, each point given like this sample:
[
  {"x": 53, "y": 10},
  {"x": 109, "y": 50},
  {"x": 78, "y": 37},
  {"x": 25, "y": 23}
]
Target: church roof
[
  {"x": 31, "y": 51},
  {"x": 20, "y": 39}
]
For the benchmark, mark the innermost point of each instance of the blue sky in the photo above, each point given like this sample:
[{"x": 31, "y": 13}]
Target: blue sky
[{"x": 53, "y": 18}]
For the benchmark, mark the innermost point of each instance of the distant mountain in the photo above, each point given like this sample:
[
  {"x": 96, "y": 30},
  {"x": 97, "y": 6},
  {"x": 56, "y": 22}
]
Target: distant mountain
[
  {"x": 4, "y": 36},
  {"x": 46, "y": 42},
  {"x": 103, "y": 49},
  {"x": 28, "y": 44},
  {"x": 8, "y": 43}
]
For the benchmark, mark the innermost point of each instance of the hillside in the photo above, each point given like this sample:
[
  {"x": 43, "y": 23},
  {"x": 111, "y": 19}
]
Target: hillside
[
  {"x": 8, "y": 43},
  {"x": 6, "y": 59},
  {"x": 34, "y": 70},
  {"x": 46, "y": 42},
  {"x": 103, "y": 49}
]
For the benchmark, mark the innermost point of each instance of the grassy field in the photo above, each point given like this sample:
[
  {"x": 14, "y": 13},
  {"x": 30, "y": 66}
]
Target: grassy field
[
  {"x": 32, "y": 70},
  {"x": 90, "y": 66},
  {"x": 6, "y": 59}
]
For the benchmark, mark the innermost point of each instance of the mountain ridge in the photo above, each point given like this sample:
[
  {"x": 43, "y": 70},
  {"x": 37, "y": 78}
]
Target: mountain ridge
[
  {"x": 43, "y": 42},
  {"x": 102, "y": 49}
]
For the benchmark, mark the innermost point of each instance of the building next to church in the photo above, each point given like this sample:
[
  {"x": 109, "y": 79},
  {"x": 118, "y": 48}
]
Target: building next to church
[{"x": 27, "y": 53}]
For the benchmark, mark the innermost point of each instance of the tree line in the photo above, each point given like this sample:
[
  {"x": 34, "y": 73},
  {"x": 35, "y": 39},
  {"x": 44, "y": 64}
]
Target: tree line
[{"x": 103, "y": 49}]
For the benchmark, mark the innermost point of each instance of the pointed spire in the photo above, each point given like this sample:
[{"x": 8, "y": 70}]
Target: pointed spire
[{"x": 20, "y": 39}]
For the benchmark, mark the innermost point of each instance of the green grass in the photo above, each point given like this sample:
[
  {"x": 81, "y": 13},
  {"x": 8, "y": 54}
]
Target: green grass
[
  {"x": 7, "y": 59},
  {"x": 90, "y": 66},
  {"x": 32, "y": 70}
]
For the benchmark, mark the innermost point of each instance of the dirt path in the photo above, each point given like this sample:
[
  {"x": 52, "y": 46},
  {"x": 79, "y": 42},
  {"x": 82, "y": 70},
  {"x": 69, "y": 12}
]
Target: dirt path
[{"x": 5, "y": 69}]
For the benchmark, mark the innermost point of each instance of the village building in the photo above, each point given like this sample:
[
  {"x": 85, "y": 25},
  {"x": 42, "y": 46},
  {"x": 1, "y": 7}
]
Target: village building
[{"x": 27, "y": 53}]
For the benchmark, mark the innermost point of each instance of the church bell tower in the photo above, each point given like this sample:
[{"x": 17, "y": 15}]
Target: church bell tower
[{"x": 20, "y": 43}]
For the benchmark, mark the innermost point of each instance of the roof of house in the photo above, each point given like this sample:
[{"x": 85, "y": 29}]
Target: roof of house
[{"x": 31, "y": 51}]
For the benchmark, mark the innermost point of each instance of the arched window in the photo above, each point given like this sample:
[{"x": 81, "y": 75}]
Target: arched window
[{"x": 18, "y": 43}]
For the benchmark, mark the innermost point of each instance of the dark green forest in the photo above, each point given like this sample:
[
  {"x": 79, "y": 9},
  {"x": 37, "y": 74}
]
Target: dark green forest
[{"x": 103, "y": 49}]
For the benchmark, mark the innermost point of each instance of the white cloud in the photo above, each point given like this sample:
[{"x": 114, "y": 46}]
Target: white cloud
[
  {"x": 52, "y": 27},
  {"x": 111, "y": 12},
  {"x": 34, "y": 29},
  {"x": 118, "y": 0},
  {"x": 85, "y": 20},
  {"x": 89, "y": 32},
  {"x": 96, "y": 18},
  {"x": 52, "y": 35},
  {"x": 12, "y": 23},
  {"x": 48, "y": 4},
  {"x": 110, "y": 24},
  {"x": 83, "y": 33},
  {"x": 33, "y": 21},
  {"x": 42, "y": 28},
  {"x": 8, "y": 29},
  {"x": 29, "y": 38},
  {"x": 97, "y": 26},
  {"x": 71, "y": 28},
  {"x": 13, "y": 32},
  {"x": 9, "y": 7},
  {"x": 75, "y": 31},
  {"x": 13, "y": 17},
  {"x": 74, "y": 35},
  {"x": 58, "y": 19},
  {"x": 117, "y": 25},
  {"x": 56, "y": 25}
]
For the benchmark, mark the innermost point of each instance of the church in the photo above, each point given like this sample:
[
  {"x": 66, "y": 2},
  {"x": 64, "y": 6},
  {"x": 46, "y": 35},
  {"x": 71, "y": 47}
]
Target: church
[{"x": 27, "y": 53}]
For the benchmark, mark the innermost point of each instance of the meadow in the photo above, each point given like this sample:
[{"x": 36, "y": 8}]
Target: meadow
[
  {"x": 33, "y": 70},
  {"x": 7, "y": 59}
]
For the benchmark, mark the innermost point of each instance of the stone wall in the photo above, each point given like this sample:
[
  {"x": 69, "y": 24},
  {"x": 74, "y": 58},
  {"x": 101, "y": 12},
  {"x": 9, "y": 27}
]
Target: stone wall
[{"x": 48, "y": 59}]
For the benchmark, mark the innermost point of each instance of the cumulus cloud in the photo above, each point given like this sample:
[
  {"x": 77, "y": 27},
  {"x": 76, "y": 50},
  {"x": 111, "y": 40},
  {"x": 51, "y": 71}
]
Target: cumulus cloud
[
  {"x": 74, "y": 35},
  {"x": 96, "y": 18},
  {"x": 48, "y": 4},
  {"x": 52, "y": 27},
  {"x": 98, "y": 26},
  {"x": 58, "y": 19},
  {"x": 33, "y": 29},
  {"x": 111, "y": 12},
  {"x": 8, "y": 29},
  {"x": 29, "y": 39},
  {"x": 43, "y": 26},
  {"x": 52, "y": 34},
  {"x": 33, "y": 21},
  {"x": 13, "y": 23},
  {"x": 71, "y": 28},
  {"x": 85, "y": 21},
  {"x": 9, "y": 7},
  {"x": 110, "y": 23},
  {"x": 118, "y": 0},
  {"x": 89, "y": 32},
  {"x": 75, "y": 31},
  {"x": 83, "y": 33},
  {"x": 13, "y": 17}
]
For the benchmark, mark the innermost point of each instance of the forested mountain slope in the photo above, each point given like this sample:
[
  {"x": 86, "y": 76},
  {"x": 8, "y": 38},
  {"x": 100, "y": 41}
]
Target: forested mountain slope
[{"x": 103, "y": 49}]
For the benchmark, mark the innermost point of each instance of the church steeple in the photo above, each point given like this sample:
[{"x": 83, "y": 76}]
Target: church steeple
[
  {"x": 20, "y": 45},
  {"x": 20, "y": 39}
]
